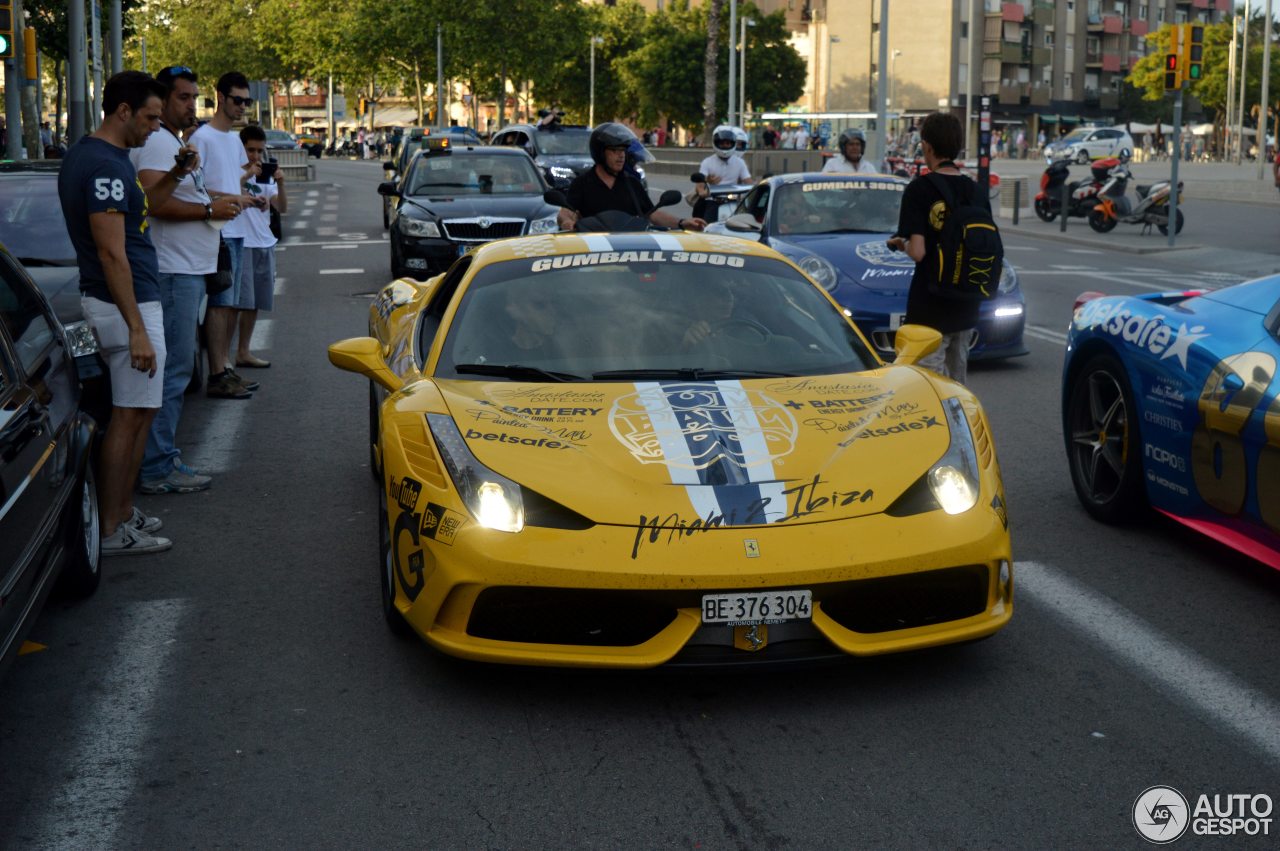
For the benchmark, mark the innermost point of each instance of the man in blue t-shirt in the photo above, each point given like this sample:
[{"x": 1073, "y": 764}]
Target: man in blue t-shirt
[{"x": 106, "y": 213}]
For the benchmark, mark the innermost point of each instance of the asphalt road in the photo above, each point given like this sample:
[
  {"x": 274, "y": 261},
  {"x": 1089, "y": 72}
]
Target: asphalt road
[{"x": 242, "y": 690}]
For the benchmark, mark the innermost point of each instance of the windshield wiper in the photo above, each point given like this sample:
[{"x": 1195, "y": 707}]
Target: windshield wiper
[
  {"x": 513, "y": 370},
  {"x": 687, "y": 373},
  {"x": 44, "y": 261}
]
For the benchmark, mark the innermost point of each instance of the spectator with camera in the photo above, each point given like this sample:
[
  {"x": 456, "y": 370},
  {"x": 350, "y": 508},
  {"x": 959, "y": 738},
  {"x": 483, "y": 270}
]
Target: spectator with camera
[{"x": 258, "y": 266}]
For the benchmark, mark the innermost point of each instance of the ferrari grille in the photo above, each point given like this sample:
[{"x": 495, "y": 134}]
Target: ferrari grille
[
  {"x": 911, "y": 600},
  {"x": 419, "y": 453}
]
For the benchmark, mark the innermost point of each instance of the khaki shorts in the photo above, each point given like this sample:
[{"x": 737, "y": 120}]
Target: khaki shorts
[{"x": 130, "y": 388}]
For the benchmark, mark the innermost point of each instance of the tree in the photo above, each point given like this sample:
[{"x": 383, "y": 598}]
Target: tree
[{"x": 711, "y": 69}]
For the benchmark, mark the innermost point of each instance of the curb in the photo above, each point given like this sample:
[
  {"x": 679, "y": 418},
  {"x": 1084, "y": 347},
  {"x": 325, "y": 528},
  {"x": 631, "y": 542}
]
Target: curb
[{"x": 1089, "y": 242}]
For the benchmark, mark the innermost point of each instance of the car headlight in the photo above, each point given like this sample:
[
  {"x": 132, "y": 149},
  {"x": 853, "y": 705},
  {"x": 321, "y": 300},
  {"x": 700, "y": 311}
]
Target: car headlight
[
  {"x": 1008, "y": 278},
  {"x": 493, "y": 499},
  {"x": 418, "y": 227},
  {"x": 81, "y": 339},
  {"x": 547, "y": 225},
  {"x": 820, "y": 270},
  {"x": 954, "y": 479},
  {"x": 561, "y": 172}
]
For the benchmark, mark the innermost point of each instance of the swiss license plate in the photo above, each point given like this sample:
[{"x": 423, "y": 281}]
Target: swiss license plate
[
  {"x": 757, "y": 607},
  {"x": 895, "y": 320}
]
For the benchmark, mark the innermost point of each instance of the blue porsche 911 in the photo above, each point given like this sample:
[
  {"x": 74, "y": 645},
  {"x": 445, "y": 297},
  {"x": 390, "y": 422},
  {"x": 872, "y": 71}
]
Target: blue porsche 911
[
  {"x": 1170, "y": 400},
  {"x": 834, "y": 227}
]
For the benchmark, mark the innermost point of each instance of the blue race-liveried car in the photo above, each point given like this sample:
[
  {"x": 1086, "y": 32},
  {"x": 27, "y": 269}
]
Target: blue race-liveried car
[
  {"x": 835, "y": 226},
  {"x": 1171, "y": 400}
]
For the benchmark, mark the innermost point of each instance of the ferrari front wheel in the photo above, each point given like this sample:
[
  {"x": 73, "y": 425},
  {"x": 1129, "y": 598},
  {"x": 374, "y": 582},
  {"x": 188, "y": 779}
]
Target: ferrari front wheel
[
  {"x": 387, "y": 568},
  {"x": 1103, "y": 445}
]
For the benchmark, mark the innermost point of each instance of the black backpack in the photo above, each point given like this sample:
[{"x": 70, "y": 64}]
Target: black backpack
[{"x": 970, "y": 253}]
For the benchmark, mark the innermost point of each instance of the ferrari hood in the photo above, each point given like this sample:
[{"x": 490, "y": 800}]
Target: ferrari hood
[{"x": 793, "y": 450}]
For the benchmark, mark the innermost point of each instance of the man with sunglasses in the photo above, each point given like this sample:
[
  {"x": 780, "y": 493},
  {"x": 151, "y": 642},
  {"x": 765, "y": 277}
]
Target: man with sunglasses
[
  {"x": 186, "y": 250},
  {"x": 226, "y": 168}
]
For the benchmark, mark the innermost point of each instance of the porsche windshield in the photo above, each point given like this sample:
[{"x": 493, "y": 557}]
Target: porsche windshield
[
  {"x": 646, "y": 315},
  {"x": 837, "y": 206},
  {"x": 31, "y": 222},
  {"x": 474, "y": 174}
]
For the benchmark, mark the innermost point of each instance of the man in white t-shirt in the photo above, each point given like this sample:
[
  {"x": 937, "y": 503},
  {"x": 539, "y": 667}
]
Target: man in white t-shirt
[
  {"x": 852, "y": 144},
  {"x": 258, "y": 267},
  {"x": 802, "y": 138},
  {"x": 186, "y": 250},
  {"x": 226, "y": 170},
  {"x": 725, "y": 167}
]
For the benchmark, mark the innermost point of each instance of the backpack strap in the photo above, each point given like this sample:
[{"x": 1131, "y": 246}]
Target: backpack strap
[{"x": 944, "y": 189}]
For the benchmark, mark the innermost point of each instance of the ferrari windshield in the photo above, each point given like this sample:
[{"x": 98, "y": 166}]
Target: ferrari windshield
[
  {"x": 646, "y": 315},
  {"x": 837, "y": 206},
  {"x": 474, "y": 174}
]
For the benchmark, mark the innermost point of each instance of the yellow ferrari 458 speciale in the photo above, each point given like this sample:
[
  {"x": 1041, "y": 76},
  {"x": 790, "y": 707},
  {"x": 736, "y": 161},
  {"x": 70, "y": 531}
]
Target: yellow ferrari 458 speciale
[{"x": 635, "y": 449}]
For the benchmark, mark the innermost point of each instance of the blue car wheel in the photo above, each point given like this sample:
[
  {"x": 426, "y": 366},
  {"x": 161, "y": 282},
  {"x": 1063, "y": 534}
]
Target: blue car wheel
[{"x": 1103, "y": 445}]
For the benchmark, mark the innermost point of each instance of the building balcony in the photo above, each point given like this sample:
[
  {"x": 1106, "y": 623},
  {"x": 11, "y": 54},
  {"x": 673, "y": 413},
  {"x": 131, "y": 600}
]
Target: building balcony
[
  {"x": 1094, "y": 23},
  {"x": 1093, "y": 60},
  {"x": 1013, "y": 52},
  {"x": 1042, "y": 13},
  {"x": 300, "y": 101},
  {"x": 1140, "y": 28},
  {"x": 1012, "y": 93},
  {"x": 1041, "y": 95},
  {"x": 1013, "y": 12},
  {"x": 1041, "y": 55},
  {"x": 1224, "y": 5},
  {"x": 1109, "y": 100},
  {"x": 1111, "y": 62},
  {"x": 1113, "y": 24},
  {"x": 1091, "y": 96}
]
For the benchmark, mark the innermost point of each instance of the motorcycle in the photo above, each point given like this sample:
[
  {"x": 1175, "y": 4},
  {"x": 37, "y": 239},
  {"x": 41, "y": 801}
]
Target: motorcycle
[
  {"x": 611, "y": 221},
  {"x": 1082, "y": 195},
  {"x": 1152, "y": 207},
  {"x": 721, "y": 201}
]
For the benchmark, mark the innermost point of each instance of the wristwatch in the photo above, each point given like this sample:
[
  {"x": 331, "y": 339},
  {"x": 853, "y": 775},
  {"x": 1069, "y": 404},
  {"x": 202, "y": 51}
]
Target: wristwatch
[{"x": 208, "y": 212}]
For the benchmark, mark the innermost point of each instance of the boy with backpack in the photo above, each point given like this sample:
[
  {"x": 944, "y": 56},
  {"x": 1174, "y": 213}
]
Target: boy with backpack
[{"x": 945, "y": 226}]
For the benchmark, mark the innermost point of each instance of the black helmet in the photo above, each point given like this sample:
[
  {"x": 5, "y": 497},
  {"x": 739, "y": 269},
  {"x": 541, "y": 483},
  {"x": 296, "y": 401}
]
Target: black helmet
[
  {"x": 848, "y": 135},
  {"x": 609, "y": 135}
]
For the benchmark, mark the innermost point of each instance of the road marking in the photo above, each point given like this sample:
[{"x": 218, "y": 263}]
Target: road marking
[
  {"x": 328, "y": 217},
  {"x": 326, "y": 230},
  {"x": 279, "y": 286},
  {"x": 263, "y": 331},
  {"x": 337, "y": 245},
  {"x": 1082, "y": 251},
  {"x": 1173, "y": 668},
  {"x": 113, "y": 734},
  {"x": 310, "y": 202},
  {"x": 1045, "y": 334},
  {"x": 1103, "y": 278},
  {"x": 308, "y": 211},
  {"x": 1071, "y": 268},
  {"x": 342, "y": 271},
  {"x": 1020, "y": 248},
  {"x": 297, "y": 225}
]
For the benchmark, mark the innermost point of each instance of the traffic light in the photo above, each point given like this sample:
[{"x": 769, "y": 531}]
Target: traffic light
[
  {"x": 1172, "y": 82},
  {"x": 6, "y": 29},
  {"x": 1193, "y": 52}
]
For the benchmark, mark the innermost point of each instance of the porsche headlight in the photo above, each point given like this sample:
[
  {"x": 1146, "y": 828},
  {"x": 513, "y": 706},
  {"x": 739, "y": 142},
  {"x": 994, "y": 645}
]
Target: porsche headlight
[
  {"x": 1008, "y": 278},
  {"x": 418, "y": 227},
  {"x": 820, "y": 270},
  {"x": 547, "y": 225},
  {"x": 560, "y": 172},
  {"x": 81, "y": 338},
  {"x": 954, "y": 479},
  {"x": 493, "y": 499}
]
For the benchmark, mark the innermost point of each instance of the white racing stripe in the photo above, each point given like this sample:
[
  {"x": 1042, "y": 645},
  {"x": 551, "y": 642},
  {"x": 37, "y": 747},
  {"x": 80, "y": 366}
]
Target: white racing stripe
[
  {"x": 1172, "y": 668},
  {"x": 754, "y": 447},
  {"x": 104, "y": 759},
  {"x": 676, "y": 451},
  {"x": 666, "y": 242},
  {"x": 597, "y": 242}
]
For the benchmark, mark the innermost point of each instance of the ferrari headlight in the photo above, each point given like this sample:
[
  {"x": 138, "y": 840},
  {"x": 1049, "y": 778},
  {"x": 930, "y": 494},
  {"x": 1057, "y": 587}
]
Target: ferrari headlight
[
  {"x": 418, "y": 227},
  {"x": 547, "y": 225},
  {"x": 559, "y": 171},
  {"x": 1008, "y": 278},
  {"x": 493, "y": 499},
  {"x": 820, "y": 270},
  {"x": 81, "y": 338},
  {"x": 954, "y": 479}
]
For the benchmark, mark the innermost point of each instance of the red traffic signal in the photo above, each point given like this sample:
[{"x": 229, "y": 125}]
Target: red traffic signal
[{"x": 1171, "y": 62}]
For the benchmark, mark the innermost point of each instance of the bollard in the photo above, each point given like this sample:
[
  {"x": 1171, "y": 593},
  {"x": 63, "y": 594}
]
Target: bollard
[
  {"x": 1066, "y": 198},
  {"x": 1017, "y": 200}
]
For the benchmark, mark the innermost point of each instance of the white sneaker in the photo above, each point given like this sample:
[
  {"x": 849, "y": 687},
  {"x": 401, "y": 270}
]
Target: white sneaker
[
  {"x": 144, "y": 523},
  {"x": 126, "y": 540}
]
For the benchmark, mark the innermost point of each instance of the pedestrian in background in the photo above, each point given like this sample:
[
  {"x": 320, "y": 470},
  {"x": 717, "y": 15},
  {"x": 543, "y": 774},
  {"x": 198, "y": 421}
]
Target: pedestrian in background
[
  {"x": 258, "y": 268},
  {"x": 226, "y": 171},
  {"x": 106, "y": 214}
]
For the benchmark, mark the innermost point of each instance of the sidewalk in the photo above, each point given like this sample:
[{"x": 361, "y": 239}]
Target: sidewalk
[{"x": 1208, "y": 181}]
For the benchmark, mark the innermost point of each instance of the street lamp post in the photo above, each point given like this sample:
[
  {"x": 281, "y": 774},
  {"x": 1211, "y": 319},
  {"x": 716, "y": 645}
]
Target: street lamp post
[
  {"x": 742, "y": 71},
  {"x": 835, "y": 39},
  {"x": 591, "y": 98},
  {"x": 893, "y": 78}
]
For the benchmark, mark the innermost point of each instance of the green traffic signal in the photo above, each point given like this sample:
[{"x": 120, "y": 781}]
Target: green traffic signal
[{"x": 4, "y": 47}]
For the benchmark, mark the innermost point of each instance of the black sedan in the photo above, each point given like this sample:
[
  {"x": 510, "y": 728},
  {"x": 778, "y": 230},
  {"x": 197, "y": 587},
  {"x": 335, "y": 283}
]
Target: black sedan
[
  {"x": 562, "y": 151},
  {"x": 49, "y": 526},
  {"x": 453, "y": 199}
]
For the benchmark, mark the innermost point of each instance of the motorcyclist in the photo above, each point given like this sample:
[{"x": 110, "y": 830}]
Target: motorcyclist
[
  {"x": 723, "y": 166},
  {"x": 608, "y": 185},
  {"x": 851, "y": 144}
]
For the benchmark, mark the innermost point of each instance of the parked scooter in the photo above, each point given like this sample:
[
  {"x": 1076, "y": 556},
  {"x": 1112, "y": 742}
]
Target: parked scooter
[
  {"x": 1082, "y": 195},
  {"x": 1152, "y": 207}
]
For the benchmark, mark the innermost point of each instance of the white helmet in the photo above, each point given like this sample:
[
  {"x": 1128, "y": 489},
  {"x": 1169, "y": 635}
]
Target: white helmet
[
  {"x": 724, "y": 141},
  {"x": 741, "y": 139}
]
